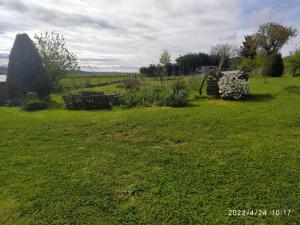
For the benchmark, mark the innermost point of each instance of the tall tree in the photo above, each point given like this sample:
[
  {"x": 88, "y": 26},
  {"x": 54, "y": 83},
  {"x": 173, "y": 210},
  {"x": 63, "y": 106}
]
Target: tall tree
[
  {"x": 25, "y": 70},
  {"x": 271, "y": 37},
  {"x": 189, "y": 63},
  {"x": 164, "y": 60},
  {"x": 248, "y": 52},
  {"x": 277, "y": 66},
  {"x": 249, "y": 47},
  {"x": 58, "y": 60}
]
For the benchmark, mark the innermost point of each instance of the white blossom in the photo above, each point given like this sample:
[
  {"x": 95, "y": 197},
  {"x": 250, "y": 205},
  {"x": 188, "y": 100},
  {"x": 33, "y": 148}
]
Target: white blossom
[{"x": 232, "y": 87}]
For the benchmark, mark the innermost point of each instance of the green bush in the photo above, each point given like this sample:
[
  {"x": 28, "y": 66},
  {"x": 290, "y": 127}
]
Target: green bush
[
  {"x": 178, "y": 99},
  {"x": 175, "y": 96},
  {"x": 26, "y": 72},
  {"x": 131, "y": 99},
  {"x": 33, "y": 103},
  {"x": 179, "y": 94},
  {"x": 274, "y": 66},
  {"x": 146, "y": 96}
]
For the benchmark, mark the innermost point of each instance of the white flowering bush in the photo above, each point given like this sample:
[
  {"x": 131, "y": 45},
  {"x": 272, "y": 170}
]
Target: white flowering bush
[{"x": 232, "y": 87}]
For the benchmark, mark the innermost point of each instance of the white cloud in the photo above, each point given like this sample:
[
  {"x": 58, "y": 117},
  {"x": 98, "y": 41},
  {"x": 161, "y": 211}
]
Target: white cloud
[
  {"x": 267, "y": 14},
  {"x": 128, "y": 33}
]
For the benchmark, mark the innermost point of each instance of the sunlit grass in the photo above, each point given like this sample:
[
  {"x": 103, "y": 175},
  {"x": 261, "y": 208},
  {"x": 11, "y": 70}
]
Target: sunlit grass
[{"x": 154, "y": 165}]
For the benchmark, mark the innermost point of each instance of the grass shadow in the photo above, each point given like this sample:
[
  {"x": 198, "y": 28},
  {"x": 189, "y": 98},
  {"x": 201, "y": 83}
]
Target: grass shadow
[{"x": 259, "y": 98}]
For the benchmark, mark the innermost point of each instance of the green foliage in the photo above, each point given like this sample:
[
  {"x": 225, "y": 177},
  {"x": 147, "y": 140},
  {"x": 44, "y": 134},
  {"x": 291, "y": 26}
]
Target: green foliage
[
  {"x": 146, "y": 96},
  {"x": 293, "y": 62},
  {"x": 247, "y": 64},
  {"x": 58, "y": 60},
  {"x": 31, "y": 96},
  {"x": 178, "y": 96},
  {"x": 149, "y": 71},
  {"x": 271, "y": 37},
  {"x": 249, "y": 48},
  {"x": 131, "y": 99},
  {"x": 189, "y": 63},
  {"x": 25, "y": 70},
  {"x": 33, "y": 103},
  {"x": 274, "y": 66},
  {"x": 165, "y": 58}
]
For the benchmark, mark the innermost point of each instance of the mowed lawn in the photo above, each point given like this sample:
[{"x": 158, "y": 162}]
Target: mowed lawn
[{"x": 155, "y": 165}]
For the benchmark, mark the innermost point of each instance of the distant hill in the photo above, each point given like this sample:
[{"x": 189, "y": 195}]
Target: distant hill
[
  {"x": 80, "y": 72},
  {"x": 3, "y": 70}
]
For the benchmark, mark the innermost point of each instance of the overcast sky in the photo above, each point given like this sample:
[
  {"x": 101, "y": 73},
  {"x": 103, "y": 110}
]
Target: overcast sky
[{"x": 122, "y": 35}]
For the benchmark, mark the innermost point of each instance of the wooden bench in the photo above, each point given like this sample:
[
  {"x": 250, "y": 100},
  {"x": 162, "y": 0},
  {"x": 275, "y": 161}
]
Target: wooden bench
[{"x": 90, "y": 100}]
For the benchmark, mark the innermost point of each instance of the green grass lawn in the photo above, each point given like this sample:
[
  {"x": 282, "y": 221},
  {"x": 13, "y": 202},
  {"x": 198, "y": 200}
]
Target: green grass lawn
[{"x": 155, "y": 165}]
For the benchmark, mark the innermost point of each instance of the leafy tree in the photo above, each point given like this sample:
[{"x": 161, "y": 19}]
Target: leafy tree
[
  {"x": 25, "y": 70},
  {"x": 58, "y": 60},
  {"x": 164, "y": 60},
  {"x": 248, "y": 52},
  {"x": 293, "y": 61},
  {"x": 271, "y": 37},
  {"x": 249, "y": 47},
  {"x": 189, "y": 63},
  {"x": 149, "y": 71},
  {"x": 154, "y": 70}
]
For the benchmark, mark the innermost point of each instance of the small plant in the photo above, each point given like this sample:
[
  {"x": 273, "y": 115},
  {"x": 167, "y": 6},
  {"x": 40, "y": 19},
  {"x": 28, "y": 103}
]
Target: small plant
[
  {"x": 179, "y": 94},
  {"x": 146, "y": 96},
  {"x": 33, "y": 103},
  {"x": 231, "y": 86},
  {"x": 131, "y": 99}
]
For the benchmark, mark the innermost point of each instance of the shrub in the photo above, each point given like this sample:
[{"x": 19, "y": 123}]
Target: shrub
[
  {"x": 179, "y": 94},
  {"x": 25, "y": 70},
  {"x": 31, "y": 96},
  {"x": 131, "y": 99},
  {"x": 293, "y": 62},
  {"x": 178, "y": 99},
  {"x": 146, "y": 96},
  {"x": 277, "y": 66},
  {"x": 174, "y": 96},
  {"x": 33, "y": 103},
  {"x": 274, "y": 66},
  {"x": 231, "y": 86}
]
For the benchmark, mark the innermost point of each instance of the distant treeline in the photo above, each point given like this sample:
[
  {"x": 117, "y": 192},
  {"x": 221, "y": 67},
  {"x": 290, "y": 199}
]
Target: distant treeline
[{"x": 186, "y": 64}]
